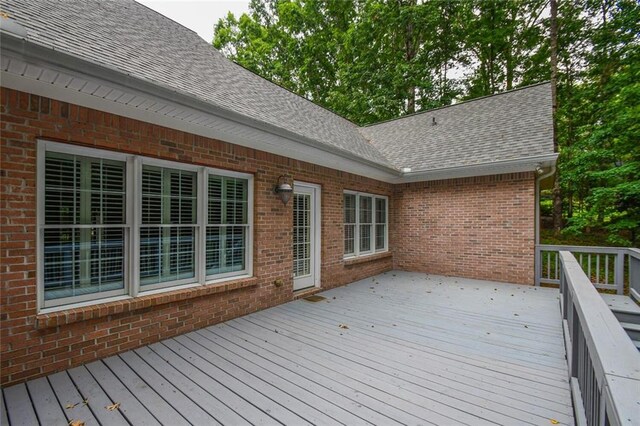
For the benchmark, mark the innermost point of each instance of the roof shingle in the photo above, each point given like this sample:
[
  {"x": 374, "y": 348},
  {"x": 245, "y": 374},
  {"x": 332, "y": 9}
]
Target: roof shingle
[{"x": 133, "y": 39}]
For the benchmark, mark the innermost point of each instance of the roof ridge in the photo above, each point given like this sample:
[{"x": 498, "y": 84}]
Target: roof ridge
[{"x": 529, "y": 86}]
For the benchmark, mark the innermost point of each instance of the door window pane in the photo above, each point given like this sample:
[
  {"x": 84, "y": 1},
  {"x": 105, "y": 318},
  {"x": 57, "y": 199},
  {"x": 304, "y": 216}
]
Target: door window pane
[{"x": 301, "y": 235}]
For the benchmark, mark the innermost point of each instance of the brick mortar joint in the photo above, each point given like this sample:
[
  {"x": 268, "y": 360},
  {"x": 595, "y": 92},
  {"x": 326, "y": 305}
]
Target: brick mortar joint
[{"x": 101, "y": 310}]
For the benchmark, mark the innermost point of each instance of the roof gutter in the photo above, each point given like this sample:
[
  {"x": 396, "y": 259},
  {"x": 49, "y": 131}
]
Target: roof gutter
[
  {"x": 497, "y": 167},
  {"x": 43, "y": 55}
]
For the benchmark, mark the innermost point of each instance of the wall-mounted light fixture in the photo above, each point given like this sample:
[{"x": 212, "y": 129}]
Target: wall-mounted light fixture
[{"x": 284, "y": 188}]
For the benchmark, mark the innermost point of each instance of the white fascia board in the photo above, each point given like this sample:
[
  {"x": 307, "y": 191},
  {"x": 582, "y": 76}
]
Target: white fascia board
[
  {"x": 527, "y": 164},
  {"x": 264, "y": 137}
]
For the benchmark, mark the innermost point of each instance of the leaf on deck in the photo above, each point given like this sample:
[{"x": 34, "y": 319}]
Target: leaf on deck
[{"x": 113, "y": 407}]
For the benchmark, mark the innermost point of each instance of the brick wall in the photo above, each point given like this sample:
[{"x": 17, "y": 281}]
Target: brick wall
[
  {"x": 476, "y": 227},
  {"x": 481, "y": 227},
  {"x": 32, "y": 345}
]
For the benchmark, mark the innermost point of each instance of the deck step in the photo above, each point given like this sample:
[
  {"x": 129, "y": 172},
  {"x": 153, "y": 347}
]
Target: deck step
[
  {"x": 633, "y": 330},
  {"x": 623, "y": 307}
]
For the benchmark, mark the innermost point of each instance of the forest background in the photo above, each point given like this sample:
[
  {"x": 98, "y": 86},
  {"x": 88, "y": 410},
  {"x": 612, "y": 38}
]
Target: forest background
[{"x": 372, "y": 60}]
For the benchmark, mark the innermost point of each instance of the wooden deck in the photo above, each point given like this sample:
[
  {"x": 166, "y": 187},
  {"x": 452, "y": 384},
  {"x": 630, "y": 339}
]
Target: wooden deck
[{"x": 418, "y": 350}]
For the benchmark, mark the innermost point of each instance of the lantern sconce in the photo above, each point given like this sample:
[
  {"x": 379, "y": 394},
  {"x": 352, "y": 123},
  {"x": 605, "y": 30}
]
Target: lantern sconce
[{"x": 284, "y": 188}]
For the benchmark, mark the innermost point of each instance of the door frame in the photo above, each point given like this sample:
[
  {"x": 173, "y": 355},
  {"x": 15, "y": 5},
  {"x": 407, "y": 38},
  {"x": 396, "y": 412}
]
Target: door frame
[{"x": 316, "y": 229}]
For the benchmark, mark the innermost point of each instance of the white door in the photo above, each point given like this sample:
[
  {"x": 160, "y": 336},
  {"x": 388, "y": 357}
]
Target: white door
[{"x": 306, "y": 235}]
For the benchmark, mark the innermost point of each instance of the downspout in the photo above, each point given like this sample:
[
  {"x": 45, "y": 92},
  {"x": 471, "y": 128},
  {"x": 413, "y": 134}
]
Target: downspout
[{"x": 541, "y": 175}]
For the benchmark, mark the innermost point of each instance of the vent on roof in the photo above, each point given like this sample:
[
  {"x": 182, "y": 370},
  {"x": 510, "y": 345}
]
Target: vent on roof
[
  {"x": 10, "y": 26},
  {"x": 433, "y": 121}
]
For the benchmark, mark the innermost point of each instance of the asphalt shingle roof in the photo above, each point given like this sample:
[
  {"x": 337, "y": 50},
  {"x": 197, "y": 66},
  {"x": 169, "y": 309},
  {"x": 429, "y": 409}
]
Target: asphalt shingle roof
[
  {"x": 507, "y": 126},
  {"x": 135, "y": 40}
]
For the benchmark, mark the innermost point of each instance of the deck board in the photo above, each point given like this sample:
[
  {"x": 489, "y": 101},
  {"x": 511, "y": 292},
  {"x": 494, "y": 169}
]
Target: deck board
[
  {"x": 446, "y": 380},
  {"x": 71, "y": 401},
  {"x": 418, "y": 349},
  {"x": 46, "y": 404},
  {"x": 97, "y": 399},
  {"x": 443, "y": 392},
  {"x": 19, "y": 406},
  {"x": 4, "y": 419}
]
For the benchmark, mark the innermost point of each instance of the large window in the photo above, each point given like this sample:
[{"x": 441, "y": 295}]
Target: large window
[
  {"x": 365, "y": 224},
  {"x": 117, "y": 225}
]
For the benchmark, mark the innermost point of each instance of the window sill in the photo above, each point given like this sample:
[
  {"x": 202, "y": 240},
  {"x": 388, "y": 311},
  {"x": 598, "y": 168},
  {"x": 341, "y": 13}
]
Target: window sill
[
  {"x": 132, "y": 304},
  {"x": 366, "y": 258}
]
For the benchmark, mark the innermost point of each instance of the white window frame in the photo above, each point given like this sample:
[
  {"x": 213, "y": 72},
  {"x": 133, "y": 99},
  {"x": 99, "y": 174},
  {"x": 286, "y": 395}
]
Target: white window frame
[
  {"x": 133, "y": 212},
  {"x": 356, "y": 245}
]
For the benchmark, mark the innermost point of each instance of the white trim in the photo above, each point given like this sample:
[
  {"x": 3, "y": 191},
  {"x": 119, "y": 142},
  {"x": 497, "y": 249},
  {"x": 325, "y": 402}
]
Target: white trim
[
  {"x": 316, "y": 196},
  {"x": 356, "y": 243},
  {"x": 208, "y": 124},
  {"x": 133, "y": 218},
  {"x": 525, "y": 164}
]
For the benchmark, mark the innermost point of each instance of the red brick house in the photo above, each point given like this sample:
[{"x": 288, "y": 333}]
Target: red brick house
[{"x": 138, "y": 174}]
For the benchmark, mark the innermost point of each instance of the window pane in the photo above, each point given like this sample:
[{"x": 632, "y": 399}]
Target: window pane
[
  {"x": 349, "y": 208},
  {"x": 366, "y": 213},
  {"x": 380, "y": 236},
  {"x": 83, "y": 261},
  {"x": 226, "y": 249},
  {"x": 83, "y": 190},
  {"x": 365, "y": 238},
  {"x": 349, "y": 239},
  {"x": 166, "y": 254},
  {"x": 62, "y": 180},
  {"x": 168, "y": 196}
]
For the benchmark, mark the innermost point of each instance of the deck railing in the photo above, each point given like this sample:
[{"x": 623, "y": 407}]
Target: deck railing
[
  {"x": 604, "y": 365},
  {"x": 606, "y": 267}
]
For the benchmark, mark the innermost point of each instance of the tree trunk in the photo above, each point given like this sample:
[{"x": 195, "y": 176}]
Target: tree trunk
[
  {"x": 410, "y": 47},
  {"x": 557, "y": 194}
]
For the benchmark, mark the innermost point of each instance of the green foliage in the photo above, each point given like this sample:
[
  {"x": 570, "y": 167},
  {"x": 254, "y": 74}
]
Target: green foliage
[
  {"x": 600, "y": 132},
  {"x": 370, "y": 60}
]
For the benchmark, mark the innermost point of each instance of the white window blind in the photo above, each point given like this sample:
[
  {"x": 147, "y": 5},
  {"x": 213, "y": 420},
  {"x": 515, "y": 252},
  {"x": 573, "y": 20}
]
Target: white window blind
[
  {"x": 227, "y": 225},
  {"x": 168, "y": 229},
  {"x": 192, "y": 225}
]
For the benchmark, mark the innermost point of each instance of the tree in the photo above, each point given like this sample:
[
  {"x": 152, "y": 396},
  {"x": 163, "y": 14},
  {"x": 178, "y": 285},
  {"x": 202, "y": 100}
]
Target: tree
[
  {"x": 605, "y": 156},
  {"x": 370, "y": 60}
]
